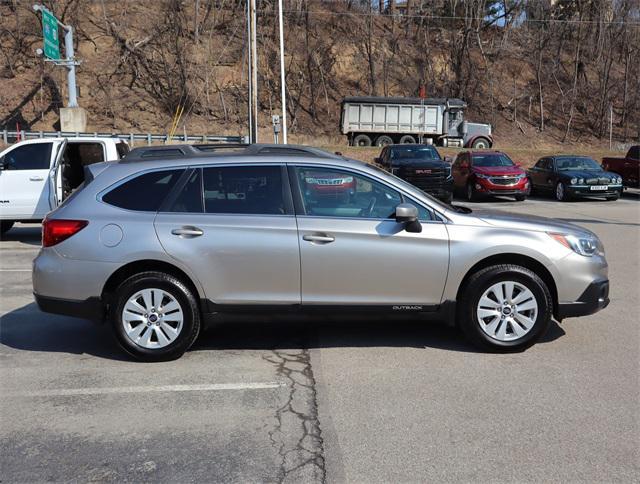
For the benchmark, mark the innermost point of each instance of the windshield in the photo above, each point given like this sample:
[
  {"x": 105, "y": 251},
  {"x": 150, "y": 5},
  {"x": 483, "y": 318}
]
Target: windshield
[
  {"x": 576, "y": 163},
  {"x": 414, "y": 152},
  {"x": 492, "y": 159}
]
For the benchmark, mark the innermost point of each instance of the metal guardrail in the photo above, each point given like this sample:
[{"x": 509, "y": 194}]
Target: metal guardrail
[{"x": 11, "y": 136}]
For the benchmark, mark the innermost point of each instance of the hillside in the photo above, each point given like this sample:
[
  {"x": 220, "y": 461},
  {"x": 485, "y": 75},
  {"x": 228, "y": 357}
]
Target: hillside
[{"x": 539, "y": 83}]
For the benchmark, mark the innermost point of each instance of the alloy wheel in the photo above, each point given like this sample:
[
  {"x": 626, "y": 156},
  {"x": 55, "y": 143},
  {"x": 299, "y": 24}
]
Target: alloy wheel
[
  {"x": 560, "y": 191},
  {"x": 507, "y": 311},
  {"x": 152, "y": 318}
]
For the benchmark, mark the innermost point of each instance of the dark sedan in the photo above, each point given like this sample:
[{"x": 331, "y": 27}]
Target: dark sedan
[{"x": 569, "y": 176}]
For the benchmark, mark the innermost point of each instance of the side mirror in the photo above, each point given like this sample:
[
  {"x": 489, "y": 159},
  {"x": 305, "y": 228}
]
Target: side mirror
[
  {"x": 407, "y": 214},
  {"x": 377, "y": 160}
]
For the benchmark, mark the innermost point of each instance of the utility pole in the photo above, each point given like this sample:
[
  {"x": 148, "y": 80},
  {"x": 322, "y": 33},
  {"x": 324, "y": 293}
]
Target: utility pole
[
  {"x": 254, "y": 72},
  {"x": 283, "y": 93},
  {"x": 249, "y": 76}
]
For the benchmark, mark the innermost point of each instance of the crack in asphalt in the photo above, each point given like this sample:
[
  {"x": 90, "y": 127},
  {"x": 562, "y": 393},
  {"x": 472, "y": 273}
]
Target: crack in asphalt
[{"x": 297, "y": 436}]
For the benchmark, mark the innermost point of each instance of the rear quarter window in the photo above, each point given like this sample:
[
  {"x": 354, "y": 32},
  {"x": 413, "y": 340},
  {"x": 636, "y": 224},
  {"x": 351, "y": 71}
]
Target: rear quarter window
[{"x": 144, "y": 193}]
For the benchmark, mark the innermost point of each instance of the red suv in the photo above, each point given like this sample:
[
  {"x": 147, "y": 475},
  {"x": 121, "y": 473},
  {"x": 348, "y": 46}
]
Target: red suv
[
  {"x": 319, "y": 185},
  {"x": 478, "y": 173}
]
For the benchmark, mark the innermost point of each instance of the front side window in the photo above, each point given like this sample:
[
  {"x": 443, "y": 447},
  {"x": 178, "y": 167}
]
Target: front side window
[
  {"x": 326, "y": 192},
  {"x": 542, "y": 164},
  {"x": 145, "y": 192},
  {"x": 253, "y": 190},
  {"x": 29, "y": 157},
  {"x": 634, "y": 153}
]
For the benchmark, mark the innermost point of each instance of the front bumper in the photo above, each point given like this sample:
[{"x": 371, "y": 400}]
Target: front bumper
[
  {"x": 486, "y": 187},
  {"x": 91, "y": 308},
  {"x": 594, "y": 298},
  {"x": 585, "y": 191}
]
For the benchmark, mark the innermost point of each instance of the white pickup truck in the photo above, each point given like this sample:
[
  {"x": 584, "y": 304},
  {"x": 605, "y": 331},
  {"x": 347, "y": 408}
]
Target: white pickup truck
[{"x": 37, "y": 175}]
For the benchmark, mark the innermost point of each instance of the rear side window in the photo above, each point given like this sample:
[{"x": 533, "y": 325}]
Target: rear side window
[
  {"x": 256, "y": 190},
  {"x": 143, "y": 193},
  {"x": 83, "y": 154},
  {"x": 29, "y": 157}
]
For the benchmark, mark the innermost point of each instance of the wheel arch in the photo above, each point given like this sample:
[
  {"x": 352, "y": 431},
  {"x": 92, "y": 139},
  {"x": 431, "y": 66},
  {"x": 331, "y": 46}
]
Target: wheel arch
[
  {"x": 136, "y": 267},
  {"x": 515, "y": 259},
  {"x": 470, "y": 141}
]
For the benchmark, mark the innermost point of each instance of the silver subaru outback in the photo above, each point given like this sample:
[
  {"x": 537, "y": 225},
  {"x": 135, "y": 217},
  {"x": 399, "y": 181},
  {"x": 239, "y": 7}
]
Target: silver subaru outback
[{"x": 169, "y": 239}]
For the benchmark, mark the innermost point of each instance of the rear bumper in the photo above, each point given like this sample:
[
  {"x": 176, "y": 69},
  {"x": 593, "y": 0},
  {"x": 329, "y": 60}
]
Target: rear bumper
[
  {"x": 91, "y": 308},
  {"x": 593, "y": 299}
]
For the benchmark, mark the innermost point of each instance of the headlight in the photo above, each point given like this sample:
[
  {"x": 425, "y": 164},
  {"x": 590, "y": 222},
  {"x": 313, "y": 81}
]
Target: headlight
[
  {"x": 619, "y": 180},
  {"x": 521, "y": 176},
  {"x": 574, "y": 181},
  {"x": 586, "y": 245},
  {"x": 580, "y": 181}
]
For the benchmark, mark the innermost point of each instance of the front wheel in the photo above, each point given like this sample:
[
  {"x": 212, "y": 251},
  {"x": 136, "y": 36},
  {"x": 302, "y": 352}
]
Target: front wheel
[
  {"x": 561, "y": 193},
  {"x": 448, "y": 198},
  {"x": 481, "y": 144},
  {"x": 505, "y": 308},
  {"x": 155, "y": 316},
  {"x": 520, "y": 198},
  {"x": 472, "y": 196}
]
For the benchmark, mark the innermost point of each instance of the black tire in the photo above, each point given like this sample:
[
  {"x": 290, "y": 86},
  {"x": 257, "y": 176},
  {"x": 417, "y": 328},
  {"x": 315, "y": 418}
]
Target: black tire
[
  {"x": 471, "y": 194},
  {"x": 182, "y": 294},
  {"x": 481, "y": 144},
  {"x": 612, "y": 198},
  {"x": 362, "y": 140},
  {"x": 520, "y": 198},
  {"x": 384, "y": 140},
  {"x": 448, "y": 198},
  {"x": 407, "y": 139},
  {"x": 5, "y": 226},
  {"x": 560, "y": 192},
  {"x": 481, "y": 281}
]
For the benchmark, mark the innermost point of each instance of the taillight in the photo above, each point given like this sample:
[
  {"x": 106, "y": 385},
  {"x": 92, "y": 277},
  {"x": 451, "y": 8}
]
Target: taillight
[{"x": 55, "y": 231}]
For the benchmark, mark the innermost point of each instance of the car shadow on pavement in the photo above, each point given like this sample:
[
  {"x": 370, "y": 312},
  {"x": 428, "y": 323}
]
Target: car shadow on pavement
[
  {"x": 377, "y": 332},
  {"x": 27, "y": 234},
  {"x": 28, "y": 329}
]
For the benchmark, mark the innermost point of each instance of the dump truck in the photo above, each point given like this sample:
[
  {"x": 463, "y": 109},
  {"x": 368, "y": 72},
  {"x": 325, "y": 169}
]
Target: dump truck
[{"x": 381, "y": 121}]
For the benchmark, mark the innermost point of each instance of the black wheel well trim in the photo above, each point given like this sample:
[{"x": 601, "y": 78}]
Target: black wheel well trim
[
  {"x": 146, "y": 265},
  {"x": 519, "y": 260}
]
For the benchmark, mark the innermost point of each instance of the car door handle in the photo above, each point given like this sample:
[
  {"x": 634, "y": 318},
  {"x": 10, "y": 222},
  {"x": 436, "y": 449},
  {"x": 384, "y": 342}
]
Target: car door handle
[
  {"x": 319, "y": 238},
  {"x": 36, "y": 178},
  {"x": 188, "y": 232}
]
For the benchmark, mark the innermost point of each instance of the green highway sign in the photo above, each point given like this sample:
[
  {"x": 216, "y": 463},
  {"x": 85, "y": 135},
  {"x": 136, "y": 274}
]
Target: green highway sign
[{"x": 50, "y": 34}]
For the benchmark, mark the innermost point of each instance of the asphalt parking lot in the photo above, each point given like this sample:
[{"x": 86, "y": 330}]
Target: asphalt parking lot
[{"x": 328, "y": 401}]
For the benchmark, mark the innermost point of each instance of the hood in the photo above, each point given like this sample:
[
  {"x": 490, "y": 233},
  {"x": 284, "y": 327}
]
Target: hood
[
  {"x": 586, "y": 174},
  {"x": 417, "y": 163},
  {"x": 529, "y": 222},
  {"x": 498, "y": 170}
]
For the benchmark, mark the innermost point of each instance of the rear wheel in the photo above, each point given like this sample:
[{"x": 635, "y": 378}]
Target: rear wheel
[
  {"x": 384, "y": 140},
  {"x": 505, "y": 308},
  {"x": 5, "y": 226},
  {"x": 362, "y": 140},
  {"x": 407, "y": 139},
  {"x": 155, "y": 316}
]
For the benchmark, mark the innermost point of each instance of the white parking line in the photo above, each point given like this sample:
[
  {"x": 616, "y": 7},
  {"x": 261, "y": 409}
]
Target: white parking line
[{"x": 66, "y": 392}]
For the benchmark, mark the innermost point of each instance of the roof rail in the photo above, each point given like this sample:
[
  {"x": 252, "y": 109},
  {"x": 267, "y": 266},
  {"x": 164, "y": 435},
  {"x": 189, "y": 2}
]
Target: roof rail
[{"x": 222, "y": 149}]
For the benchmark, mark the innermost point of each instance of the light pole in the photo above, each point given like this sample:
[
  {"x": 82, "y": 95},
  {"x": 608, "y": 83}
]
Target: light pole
[{"x": 283, "y": 93}]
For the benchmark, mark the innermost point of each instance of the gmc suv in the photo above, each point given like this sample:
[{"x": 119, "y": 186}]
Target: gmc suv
[{"x": 171, "y": 238}]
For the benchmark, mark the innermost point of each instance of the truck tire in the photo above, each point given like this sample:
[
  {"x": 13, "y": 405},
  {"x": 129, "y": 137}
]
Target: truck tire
[
  {"x": 481, "y": 144},
  {"x": 5, "y": 226},
  {"x": 384, "y": 140},
  {"x": 407, "y": 139},
  {"x": 362, "y": 140}
]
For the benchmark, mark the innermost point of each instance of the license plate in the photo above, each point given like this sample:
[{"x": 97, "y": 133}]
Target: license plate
[{"x": 598, "y": 187}]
